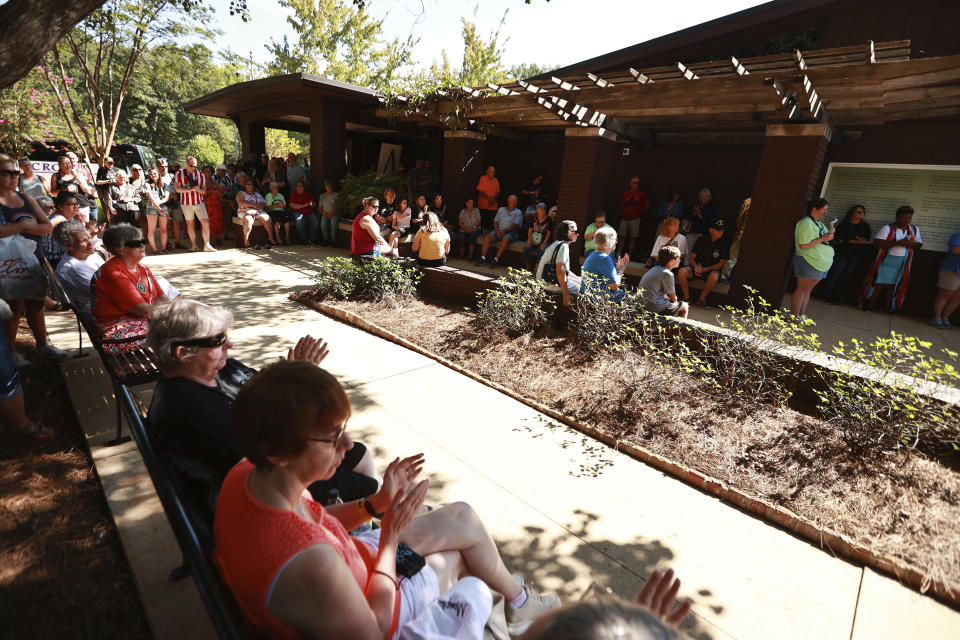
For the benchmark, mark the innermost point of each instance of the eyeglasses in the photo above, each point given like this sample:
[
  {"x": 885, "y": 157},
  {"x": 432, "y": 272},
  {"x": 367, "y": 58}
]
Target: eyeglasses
[
  {"x": 135, "y": 244},
  {"x": 9, "y": 172},
  {"x": 208, "y": 342},
  {"x": 335, "y": 440}
]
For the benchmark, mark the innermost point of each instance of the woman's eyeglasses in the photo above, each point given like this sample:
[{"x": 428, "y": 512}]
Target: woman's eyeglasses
[
  {"x": 208, "y": 342},
  {"x": 135, "y": 244},
  {"x": 335, "y": 440},
  {"x": 9, "y": 172}
]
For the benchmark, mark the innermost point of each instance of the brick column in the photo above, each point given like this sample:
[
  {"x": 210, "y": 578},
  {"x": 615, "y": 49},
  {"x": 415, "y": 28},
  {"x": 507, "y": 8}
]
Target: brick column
[
  {"x": 790, "y": 169},
  {"x": 462, "y": 167},
  {"x": 328, "y": 139},
  {"x": 588, "y": 159},
  {"x": 252, "y": 138}
]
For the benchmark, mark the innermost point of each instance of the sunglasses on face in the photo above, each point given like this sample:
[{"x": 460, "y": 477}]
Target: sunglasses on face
[
  {"x": 9, "y": 172},
  {"x": 135, "y": 244},
  {"x": 209, "y": 342},
  {"x": 335, "y": 440}
]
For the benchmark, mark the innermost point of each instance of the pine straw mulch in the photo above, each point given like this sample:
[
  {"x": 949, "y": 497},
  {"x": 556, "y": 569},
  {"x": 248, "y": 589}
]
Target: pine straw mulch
[
  {"x": 63, "y": 572},
  {"x": 904, "y": 503}
]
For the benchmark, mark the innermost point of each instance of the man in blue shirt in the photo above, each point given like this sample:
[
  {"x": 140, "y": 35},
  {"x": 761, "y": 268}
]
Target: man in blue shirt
[{"x": 506, "y": 227}]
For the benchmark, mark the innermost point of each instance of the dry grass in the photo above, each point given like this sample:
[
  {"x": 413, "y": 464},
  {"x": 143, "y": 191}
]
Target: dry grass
[
  {"x": 62, "y": 568},
  {"x": 904, "y": 504}
]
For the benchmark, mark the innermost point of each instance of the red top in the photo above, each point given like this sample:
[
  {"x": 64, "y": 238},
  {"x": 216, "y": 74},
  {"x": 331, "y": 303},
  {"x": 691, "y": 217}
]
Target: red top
[
  {"x": 487, "y": 185},
  {"x": 191, "y": 197},
  {"x": 303, "y": 198},
  {"x": 360, "y": 241},
  {"x": 115, "y": 290},
  {"x": 634, "y": 203},
  {"x": 255, "y": 542}
]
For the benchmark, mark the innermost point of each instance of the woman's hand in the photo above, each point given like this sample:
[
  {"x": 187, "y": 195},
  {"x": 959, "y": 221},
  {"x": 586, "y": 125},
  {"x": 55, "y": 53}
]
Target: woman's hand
[
  {"x": 396, "y": 479},
  {"x": 401, "y": 511},
  {"x": 826, "y": 238},
  {"x": 308, "y": 349},
  {"x": 659, "y": 593},
  {"x": 622, "y": 262}
]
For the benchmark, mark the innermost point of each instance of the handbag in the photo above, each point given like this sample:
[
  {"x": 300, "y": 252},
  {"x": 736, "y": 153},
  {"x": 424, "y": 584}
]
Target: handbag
[
  {"x": 21, "y": 276},
  {"x": 550, "y": 268}
]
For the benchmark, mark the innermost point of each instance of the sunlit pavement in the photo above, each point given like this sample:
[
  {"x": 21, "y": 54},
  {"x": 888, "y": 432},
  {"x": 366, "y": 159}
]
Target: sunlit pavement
[{"x": 565, "y": 510}]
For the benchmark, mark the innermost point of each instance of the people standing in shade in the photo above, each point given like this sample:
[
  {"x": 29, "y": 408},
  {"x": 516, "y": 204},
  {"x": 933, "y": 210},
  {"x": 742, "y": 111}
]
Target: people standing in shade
[
  {"x": 599, "y": 222},
  {"x": 702, "y": 214},
  {"x": 295, "y": 172},
  {"x": 554, "y": 267},
  {"x": 212, "y": 201},
  {"x": 850, "y": 236},
  {"x": 432, "y": 242},
  {"x": 105, "y": 180},
  {"x": 488, "y": 190},
  {"x": 633, "y": 203},
  {"x": 329, "y": 218},
  {"x": 710, "y": 252},
  {"x": 948, "y": 284},
  {"x": 191, "y": 184},
  {"x": 506, "y": 229},
  {"x": 304, "y": 208},
  {"x": 538, "y": 236},
  {"x": 66, "y": 178},
  {"x": 890, "y": 272},
  {"x": 124, "y": 201},
  {"x": 813, "y": 255},
  {"x": 531, "y": 192},
  {"x": 155, "y": 197},
  {"x": 469, "y": 225},
  {"x": 30, "y": 183},
  {"x": 420, "y": 178},
  {"x": 671, "y": 207}
]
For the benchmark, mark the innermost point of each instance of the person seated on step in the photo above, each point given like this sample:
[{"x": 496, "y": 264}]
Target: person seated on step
[
  {"x": 538, "y": 237},
  {"x": 707, "y": 258},
  {"x": 655, "y": 614},
  {"x": 123, "y": 292},
  {"x": 189, "y": 416},
  {"x": 432, "y": 242},
  {"x": 669, "y": 236},
  {"x": 506, "y": 229},
  {"x": 554, "y": 266},
  {"x": 291, "y": 562},
  {"x": 398, "y": 226},
  {"x": 599, "y": 270},
  {"x": 657, "y": 285}
]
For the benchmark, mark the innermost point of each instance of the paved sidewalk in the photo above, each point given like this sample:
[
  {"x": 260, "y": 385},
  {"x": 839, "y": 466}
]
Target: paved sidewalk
[{"x": 564, "y": 509}]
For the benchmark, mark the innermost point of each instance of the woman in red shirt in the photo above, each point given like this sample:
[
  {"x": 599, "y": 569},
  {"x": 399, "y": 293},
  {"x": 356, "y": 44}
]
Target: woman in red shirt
[
  {"x": 214, "y": 207},
  {"x": 124, "y": 291}
]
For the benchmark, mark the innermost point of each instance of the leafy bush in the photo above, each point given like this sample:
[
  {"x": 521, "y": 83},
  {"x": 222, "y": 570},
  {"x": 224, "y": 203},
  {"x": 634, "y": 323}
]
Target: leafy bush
[
  {"x": 882, "y": 394},
  {"x": 205, "y": 149},
  {"x": 521, "y": 304},
  {"x": 378, "y": 279},
  {"x": 353, "y": 189}
]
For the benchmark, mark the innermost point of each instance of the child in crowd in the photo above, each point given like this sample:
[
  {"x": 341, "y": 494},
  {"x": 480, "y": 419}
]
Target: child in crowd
[{"x": 657, "y": 285}]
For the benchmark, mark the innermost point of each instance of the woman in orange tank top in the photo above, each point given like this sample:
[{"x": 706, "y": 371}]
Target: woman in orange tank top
[{"x": 290, "y": 561}]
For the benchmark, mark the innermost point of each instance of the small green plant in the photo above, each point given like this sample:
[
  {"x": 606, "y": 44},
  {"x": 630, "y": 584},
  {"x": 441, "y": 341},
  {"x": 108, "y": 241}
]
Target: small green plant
[
  {"x": 521, "y": 304},
  {"x": 377, "y": 279},
  {"x": 894, "y": 392}
]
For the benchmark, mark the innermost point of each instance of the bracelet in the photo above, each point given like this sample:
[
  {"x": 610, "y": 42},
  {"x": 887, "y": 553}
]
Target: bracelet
[
  {"x": 396, "y": 585},
  {"x": 365, "y": 504}
]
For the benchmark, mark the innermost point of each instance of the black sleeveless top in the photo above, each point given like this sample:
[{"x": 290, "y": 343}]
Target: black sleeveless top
[
  {"x": 8, "y": 213},
  {"x": 82, "y": 199}
]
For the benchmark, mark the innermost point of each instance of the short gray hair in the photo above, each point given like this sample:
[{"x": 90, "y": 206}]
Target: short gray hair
[
  {"x": 67, "y": 231},
  {"x": 605, "y": 238},
  {"x": 117, "y": 234},
  {"x": 705, "y": 191},
  {"x": 183, "y": 319}
]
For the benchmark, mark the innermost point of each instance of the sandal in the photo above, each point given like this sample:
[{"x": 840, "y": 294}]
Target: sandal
[{"x": 39, "y": 433}]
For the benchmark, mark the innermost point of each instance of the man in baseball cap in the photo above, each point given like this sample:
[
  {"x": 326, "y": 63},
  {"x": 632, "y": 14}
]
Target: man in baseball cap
[{"x": 709, "y": 254}]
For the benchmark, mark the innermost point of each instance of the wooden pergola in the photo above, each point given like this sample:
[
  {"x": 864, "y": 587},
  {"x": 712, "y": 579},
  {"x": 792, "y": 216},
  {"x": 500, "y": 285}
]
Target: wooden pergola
[{"x": 848, "y": 86}]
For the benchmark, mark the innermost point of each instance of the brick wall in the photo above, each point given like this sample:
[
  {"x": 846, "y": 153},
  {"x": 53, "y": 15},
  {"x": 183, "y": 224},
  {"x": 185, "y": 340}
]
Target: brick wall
[
  {"x": 455, "y": 285},
  {"x": 463, "y": 165},
  {"x": 328, "y": 138},
  {"x": 517, "y": 163},
  {"x": 790, "y": 168}
]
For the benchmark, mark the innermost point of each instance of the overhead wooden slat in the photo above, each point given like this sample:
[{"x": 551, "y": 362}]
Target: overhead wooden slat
[
  {"x": 738, "y": 68},
  {"x": 686, "y": 72},
  {"x": 871, "y": 52}
]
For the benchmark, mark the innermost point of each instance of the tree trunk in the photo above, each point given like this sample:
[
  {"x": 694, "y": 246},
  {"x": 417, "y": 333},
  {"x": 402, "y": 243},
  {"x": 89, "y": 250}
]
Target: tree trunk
[{"x": 31, "y": 28}]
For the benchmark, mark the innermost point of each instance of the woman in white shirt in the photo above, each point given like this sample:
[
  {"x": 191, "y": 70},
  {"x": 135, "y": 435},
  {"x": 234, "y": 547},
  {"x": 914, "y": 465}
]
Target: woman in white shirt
[
  {"x": 670, "y": 235},
  {"x": 890, "y": 271}
]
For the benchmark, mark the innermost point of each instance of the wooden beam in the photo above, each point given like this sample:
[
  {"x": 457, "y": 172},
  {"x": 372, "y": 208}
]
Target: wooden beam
[
  {"x": 600, "y": 82},
  {"x": 786, "y": 100},
  {"x": 641, "y": 78},
  {"x": 801, "y": 64},
  {"x": 739, "y": 68},
  {"x": 871, "y": 52},
  {"x": 687, "y": 72}
]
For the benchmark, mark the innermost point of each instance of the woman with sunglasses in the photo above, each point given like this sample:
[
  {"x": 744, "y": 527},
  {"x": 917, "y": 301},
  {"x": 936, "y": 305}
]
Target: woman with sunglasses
[
  {"x": 190, "y": 410},
  {"x": 124, "y": 291},
  {"x": 290, "y": 561}
]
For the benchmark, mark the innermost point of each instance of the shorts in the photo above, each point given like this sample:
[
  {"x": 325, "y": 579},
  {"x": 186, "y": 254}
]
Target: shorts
[
  {"x": 416, "y": 593},
  {"x": 191, "y": 210},
  {"x": 803, "y": 269},
  {"x": 510, "y": 236},
  {"x": 175, "y": 213},
  {"x": 629, "y": 226},
  {"x": 949, "y": 280},
  {"x": 156, "y": 213},
  {"x": 670, "y": 309},
  {"x": 279, "y": 217}
]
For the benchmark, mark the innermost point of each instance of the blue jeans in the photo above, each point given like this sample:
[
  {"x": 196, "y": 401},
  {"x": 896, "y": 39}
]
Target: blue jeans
[
  {"x": 532, "y": 253},
  {"x": 839, "y": 274},
  {"x": 304, "y": 220},
  {"x": 329, "y": 227},
  {"x": 468, "y": 240}
]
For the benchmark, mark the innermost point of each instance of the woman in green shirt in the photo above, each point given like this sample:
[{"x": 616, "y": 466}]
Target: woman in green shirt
[{"x": 813, "y": 255}]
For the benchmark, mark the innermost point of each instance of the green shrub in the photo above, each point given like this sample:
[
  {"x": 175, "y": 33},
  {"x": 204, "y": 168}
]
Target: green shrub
[
  {"x": 521, "y": 304},
  {"x": 205, "y": 149},
  {"x": 353, "y": 189},
  {"x": 378, "y": 279},
  {"x": 881, "y": 394}
]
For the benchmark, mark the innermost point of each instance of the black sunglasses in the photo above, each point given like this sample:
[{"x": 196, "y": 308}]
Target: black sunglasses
[
  {"x": 208, "y": 342},
  {"x": 335, "y": 440},
  {"x": 135, "y": 244},
  {"x": 9, "y": 172}
]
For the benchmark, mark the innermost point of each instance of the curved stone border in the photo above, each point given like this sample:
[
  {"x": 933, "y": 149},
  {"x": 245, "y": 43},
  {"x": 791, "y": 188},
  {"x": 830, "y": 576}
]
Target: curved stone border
[{"x": 835, "y": 543}]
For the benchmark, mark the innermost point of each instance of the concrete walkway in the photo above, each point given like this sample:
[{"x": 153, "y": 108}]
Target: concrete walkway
[{"x": 564, "y": 509}]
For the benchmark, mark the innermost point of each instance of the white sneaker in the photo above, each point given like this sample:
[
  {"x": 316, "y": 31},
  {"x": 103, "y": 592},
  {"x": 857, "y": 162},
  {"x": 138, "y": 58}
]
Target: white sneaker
[
  {"x": 19, "y": 360},
  {"x": 519, "y": 620},
  {"x": 51, "y": 352},
  {"x": 209, "y": 248}
]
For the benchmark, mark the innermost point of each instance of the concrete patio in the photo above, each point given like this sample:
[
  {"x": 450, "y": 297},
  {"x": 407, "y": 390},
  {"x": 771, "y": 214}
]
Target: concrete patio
[{"x": 565, "y": 510}]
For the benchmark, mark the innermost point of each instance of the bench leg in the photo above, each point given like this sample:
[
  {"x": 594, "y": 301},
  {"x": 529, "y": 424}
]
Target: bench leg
[
  {"x": 80, "y": 352},
  {"x": 120, "y": 439}
]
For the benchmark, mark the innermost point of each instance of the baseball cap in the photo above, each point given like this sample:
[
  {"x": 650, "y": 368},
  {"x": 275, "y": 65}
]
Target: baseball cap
[
  {"x": 222, "y": 166},
  {"x": 107, "y": 159},
  {"x": 541, "y": 205},
  {"x": 719, "y": 225}
]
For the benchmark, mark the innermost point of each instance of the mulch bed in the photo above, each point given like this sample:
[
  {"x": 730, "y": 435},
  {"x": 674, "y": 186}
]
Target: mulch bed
[
  {"x": 63, "y": 572},
  {"x": 904, "y": 504}
]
